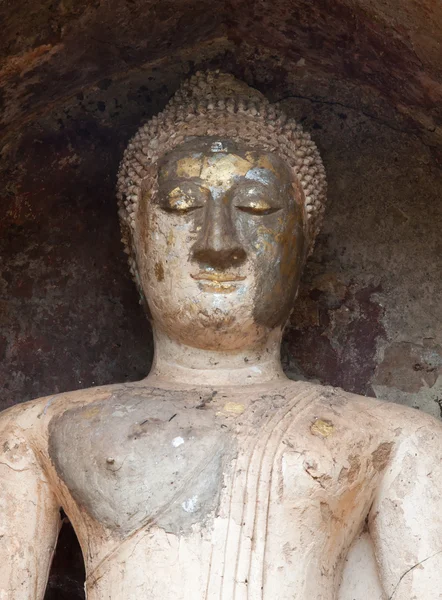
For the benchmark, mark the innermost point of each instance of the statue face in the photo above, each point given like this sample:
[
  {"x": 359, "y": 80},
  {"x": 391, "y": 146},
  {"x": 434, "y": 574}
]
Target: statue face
[{"x": 221, "y": 247}]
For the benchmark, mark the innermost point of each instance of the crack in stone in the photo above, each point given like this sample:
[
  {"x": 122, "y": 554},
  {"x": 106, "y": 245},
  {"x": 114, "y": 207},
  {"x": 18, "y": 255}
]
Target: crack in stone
[
  {"x": 12, "y": 468},
  {"x": 411, "y": 569}
]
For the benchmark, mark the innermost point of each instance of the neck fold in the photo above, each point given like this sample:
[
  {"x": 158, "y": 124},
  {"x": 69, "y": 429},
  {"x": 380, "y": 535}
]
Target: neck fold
[{"x": 177, "y": 363}]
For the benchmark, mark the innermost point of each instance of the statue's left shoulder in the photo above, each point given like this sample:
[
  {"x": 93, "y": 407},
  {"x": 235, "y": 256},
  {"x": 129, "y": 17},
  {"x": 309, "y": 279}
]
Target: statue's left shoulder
[
  {"x": 337, "y": 418},
  {"x": 399, "y": 419},
  {"x": 332, "y": 402},
  {"x": 358, "y": 414},
  {"x": 409, "y": 430}
]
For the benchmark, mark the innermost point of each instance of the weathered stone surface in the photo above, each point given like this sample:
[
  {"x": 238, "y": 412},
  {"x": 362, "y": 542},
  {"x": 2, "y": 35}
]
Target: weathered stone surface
[
  {"x": 117, "y": 474},
  {"x": 368, "y": 314},
  {"x": 52, "y": 50},
  {"x": 392, "y": 48}
]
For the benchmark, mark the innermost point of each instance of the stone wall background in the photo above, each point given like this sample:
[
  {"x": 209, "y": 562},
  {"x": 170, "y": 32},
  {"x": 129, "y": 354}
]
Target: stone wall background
[
  {"x": 369, "y": 312},
  {"x": 369, "y": 316}
]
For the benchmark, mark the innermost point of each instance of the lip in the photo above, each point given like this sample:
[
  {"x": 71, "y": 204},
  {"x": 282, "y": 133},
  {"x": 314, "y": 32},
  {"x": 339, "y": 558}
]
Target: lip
[{"x": 217, "y": 277}]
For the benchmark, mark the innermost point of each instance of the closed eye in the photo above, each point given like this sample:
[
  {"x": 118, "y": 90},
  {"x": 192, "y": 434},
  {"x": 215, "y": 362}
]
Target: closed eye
[
  {"x": 181, "y": 201},
  {"x": 184, "y": 199},
  {"x": 259, "y": 209},
  {"x": 180, "y": 210}
]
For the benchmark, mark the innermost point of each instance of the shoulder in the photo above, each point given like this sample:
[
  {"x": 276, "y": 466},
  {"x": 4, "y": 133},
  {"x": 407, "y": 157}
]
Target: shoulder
[
  {"x": 355, "y": 416},
  {"x": 29, "y": 421},
  {"x": 16, "y": 451},
  {"x": 413, "y": 440},
  {"x": 344, "y": 409},
  {"x": 410, "y": 425},
  {"x": 389, "y": 415},
  {"x": 415, "y": 437}
]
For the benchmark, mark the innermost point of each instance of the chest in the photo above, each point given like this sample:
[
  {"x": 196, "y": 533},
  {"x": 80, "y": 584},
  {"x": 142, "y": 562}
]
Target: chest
[
  {"x": 171, "y": 462},
  {"x": 130, "y": 460}
]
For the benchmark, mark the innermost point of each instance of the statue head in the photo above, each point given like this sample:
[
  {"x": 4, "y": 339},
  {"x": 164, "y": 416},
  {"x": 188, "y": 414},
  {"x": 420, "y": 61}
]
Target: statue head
[{"x": 221, "y": 197}]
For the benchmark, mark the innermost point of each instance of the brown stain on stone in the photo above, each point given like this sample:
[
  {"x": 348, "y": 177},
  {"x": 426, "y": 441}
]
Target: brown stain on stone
[
  {"x": 381, "y": 455},
  {"x": 326, "y": 512},
  {"x": 350, "y": 474},
  {"x": 159, "y": 271},
  {"x": 348, "y": 500}
]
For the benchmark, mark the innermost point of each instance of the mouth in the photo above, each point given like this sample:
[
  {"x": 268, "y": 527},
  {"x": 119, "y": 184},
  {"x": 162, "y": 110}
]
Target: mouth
[
  {"x": 217, "y": 276},
  {"x": 216, "y": 282}
]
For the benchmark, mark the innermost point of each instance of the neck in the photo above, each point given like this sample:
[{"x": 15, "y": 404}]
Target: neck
[{"x": 177, "y": 363}]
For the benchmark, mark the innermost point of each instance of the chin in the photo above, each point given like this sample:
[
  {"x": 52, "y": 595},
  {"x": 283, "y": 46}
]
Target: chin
[{"x": 219, "y": 335}]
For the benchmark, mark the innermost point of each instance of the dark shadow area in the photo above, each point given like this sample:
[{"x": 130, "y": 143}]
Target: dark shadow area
[{"x": 66, "y": 579}]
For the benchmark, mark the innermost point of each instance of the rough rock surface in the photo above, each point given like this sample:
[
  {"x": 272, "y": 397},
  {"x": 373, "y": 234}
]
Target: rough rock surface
[{"x": 52, "y": 49}]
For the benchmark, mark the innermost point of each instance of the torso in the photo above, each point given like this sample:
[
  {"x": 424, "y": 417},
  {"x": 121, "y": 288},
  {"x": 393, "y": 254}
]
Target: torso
[{"x": 200, "y": 495}]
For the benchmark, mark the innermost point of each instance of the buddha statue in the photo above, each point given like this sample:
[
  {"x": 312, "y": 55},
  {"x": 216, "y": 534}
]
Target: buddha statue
[{"x": 216, "y": 477}]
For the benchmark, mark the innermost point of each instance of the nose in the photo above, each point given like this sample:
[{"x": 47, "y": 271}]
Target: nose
[{"x": 217, "y": 244}]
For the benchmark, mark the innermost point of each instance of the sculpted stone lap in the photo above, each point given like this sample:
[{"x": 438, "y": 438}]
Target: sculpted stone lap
[{"x": 216, "y": 477}]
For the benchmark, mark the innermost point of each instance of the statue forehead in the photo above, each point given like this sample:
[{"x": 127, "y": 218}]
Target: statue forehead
[{"x": 218, "y": 161}]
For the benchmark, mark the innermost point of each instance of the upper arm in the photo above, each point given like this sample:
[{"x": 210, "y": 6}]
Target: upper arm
[
  {"x": 406, "y": 518},
  {"x": 29, "y": 519}
]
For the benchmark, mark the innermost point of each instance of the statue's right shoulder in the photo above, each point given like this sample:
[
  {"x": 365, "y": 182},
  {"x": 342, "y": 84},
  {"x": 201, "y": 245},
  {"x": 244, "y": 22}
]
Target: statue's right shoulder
[
  {"x": 32, "y": 418},
  {"x": 19, "y": 428},
  {"x": 25, "y": 427},
  {"x": 20, "y": 417}
]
